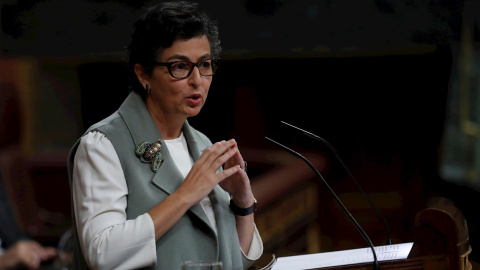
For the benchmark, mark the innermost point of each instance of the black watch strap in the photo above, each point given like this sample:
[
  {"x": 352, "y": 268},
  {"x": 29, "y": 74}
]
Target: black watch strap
[{"x": 243, "y": 211}]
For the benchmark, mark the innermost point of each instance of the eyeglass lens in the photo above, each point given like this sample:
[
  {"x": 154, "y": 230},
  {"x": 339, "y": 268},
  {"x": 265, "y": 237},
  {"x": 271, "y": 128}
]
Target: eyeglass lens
[{"x": 182, "y": 69}]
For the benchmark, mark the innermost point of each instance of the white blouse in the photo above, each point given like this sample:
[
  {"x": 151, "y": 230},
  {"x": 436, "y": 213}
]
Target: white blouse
[
  {"x": 107, "y": 238},
  {"x": 178, "y": 149}
]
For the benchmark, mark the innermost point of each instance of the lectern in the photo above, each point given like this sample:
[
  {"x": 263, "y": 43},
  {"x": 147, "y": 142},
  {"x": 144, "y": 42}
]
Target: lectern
[{"x": 441, "y": 242}]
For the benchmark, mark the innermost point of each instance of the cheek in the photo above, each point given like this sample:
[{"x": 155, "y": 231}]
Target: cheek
[
  {"x": 206, "y": 85},
  {"x": 175, "y": 88}
]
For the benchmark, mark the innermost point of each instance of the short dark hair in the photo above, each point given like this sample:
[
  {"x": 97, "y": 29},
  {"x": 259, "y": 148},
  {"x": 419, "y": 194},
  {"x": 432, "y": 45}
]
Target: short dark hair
[{"x": 164, "y": 23}]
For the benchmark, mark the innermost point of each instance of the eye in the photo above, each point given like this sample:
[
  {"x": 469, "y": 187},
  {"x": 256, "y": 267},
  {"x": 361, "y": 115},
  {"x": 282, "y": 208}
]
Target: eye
[
  {"x": 206, "y": 64},
  {"x": 181, "y": 65}
]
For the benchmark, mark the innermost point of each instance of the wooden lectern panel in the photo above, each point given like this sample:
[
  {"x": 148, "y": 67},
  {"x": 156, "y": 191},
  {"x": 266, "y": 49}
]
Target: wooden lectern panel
[
  {"x": 441, "y": 231},
  {"x": 441, "y": 243}
]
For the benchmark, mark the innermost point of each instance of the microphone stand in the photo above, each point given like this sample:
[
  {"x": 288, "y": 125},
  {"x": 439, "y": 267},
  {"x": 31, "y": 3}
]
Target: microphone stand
[
  {"x": 318, "y": 138},
  {"x": 376, "y": 265}
]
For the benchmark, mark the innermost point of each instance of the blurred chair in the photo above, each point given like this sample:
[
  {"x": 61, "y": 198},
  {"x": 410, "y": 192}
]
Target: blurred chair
[
  {"x": 33, "y": 179},
  {"x": 17, "y": 77},
  {"x": 9, "y": 115}
]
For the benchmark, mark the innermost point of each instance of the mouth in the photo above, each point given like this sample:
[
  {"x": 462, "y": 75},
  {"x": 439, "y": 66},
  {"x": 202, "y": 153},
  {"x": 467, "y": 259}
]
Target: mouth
[
  {"x": 194, "y": 100},
  {"x": 195, "y": 96}
]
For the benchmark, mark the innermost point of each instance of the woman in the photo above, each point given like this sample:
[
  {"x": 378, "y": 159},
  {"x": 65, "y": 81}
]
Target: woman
[{"x": 148, "y": 189}]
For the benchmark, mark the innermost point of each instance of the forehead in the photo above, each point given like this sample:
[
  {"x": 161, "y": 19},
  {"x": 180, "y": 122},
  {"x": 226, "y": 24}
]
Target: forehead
[{"x": 192, "y": 49}]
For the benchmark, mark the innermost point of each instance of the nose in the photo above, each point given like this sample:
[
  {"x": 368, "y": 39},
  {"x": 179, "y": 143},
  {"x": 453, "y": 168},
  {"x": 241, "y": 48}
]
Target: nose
[{"x": 195, "y": 78}]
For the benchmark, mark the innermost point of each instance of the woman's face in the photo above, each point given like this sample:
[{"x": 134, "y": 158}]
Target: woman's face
[{"x": 171, "y": 98}]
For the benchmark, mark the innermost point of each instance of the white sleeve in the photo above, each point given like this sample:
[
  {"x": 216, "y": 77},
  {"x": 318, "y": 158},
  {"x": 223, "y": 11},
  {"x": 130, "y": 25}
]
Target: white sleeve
[
  {"x": 107, "y": 238},
  {"x": 255, "y": 251},
  {"x": 256, "y": 248}
]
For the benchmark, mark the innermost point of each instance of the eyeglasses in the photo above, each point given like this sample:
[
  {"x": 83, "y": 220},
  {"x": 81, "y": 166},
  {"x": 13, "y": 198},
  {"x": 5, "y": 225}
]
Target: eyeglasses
[{"x": 183, "y": 69}]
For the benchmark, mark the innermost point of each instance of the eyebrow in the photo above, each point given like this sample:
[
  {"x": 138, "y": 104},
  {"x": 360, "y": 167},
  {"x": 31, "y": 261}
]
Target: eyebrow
[{"x": 184, "y": 58}]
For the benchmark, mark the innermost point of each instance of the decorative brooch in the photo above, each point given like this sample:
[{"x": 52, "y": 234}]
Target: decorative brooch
[{"x": 150, "y": 153}]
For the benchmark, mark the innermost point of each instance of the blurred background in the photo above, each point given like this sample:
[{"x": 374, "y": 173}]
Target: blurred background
[{"x": 393, "y": 86}]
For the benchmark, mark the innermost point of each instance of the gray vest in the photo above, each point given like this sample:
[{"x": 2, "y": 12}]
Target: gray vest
[{"x": 192, "y": 238}]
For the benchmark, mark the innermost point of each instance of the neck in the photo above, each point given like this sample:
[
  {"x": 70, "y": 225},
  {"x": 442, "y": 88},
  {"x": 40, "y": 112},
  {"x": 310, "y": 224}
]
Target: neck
[{"x": 169, "y": 127}]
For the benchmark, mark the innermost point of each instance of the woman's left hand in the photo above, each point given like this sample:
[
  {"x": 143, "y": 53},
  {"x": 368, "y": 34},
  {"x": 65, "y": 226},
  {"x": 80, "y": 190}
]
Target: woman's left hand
[{"x": 238, "y": 184}]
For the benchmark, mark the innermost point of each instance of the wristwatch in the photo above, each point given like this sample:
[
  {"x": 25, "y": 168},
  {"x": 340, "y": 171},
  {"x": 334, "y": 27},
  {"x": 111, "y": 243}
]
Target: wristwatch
[{"x": 243, "y": 211}]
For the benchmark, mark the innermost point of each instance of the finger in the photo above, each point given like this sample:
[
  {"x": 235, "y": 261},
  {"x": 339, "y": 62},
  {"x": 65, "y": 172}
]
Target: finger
[
  {"x": 212, "y": 152},
  {"x": 219, "y": 153},
  {"x": 236, "y": 159},
  {"x": 32, "y": 262},
  {"x": 239, "y": 159},
  {"x": 228, "y": 172},
  {"x": 226, "y": 158},
  {"x": 48, "y": 253}
]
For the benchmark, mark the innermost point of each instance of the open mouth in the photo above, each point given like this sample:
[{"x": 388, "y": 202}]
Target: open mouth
[{"x": 195, "y": 97}]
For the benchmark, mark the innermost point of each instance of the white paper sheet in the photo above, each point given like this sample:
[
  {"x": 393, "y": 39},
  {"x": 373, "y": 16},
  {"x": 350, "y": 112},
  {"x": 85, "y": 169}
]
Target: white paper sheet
[{"x": 344, "y": 257}]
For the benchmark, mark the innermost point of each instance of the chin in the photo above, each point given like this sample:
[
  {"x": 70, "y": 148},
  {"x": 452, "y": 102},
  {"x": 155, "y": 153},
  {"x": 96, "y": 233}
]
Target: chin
[{"x": 193, "y": 113}]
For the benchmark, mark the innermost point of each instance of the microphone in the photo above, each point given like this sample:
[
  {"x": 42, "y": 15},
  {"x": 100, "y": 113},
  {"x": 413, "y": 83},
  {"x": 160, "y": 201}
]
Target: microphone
[
  {"x": 318, "y": 138},
  {"x": 376, "y": 265}
]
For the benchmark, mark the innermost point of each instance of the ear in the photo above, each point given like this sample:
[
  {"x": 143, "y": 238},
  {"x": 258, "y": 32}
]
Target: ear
[{"x": 142, "y": 76}]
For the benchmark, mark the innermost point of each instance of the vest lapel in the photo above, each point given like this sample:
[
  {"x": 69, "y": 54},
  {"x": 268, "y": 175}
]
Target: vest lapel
[
  {"x": 142, "y": 128},
  {"x": 138, "y": 119},
  {"x": 196, "y": 146},
  {"x": 218, "y": 196}
]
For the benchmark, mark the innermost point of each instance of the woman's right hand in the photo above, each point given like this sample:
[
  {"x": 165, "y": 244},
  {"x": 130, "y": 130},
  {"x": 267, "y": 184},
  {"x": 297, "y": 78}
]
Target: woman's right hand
[
  {"x": 203, "y": 176},
  {"x": 201, "y": 179}
]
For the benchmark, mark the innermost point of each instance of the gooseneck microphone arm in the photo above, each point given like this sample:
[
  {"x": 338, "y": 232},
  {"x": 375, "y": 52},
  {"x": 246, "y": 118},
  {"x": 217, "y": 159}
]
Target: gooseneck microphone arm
[
  {"x": 376, "y": 265},
  {"x": 318, "y": 138}
]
